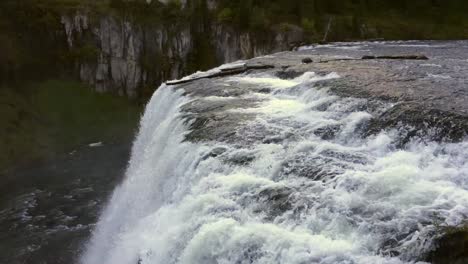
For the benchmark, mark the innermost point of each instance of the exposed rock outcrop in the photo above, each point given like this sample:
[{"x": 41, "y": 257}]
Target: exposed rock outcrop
[
  {"x": 452, "y": 248},
  {"x": 124, "y": 50},
  {"x": 224, "y": 71},
  {"x": 128, "y": 56},
  {"x": 422, "y": 102},
  {"x": 396, "y": 57}
]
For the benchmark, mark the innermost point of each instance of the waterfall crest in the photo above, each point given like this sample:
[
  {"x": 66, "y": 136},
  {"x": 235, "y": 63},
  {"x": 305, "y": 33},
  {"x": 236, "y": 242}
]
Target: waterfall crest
[{"x": 260, "y": 169}]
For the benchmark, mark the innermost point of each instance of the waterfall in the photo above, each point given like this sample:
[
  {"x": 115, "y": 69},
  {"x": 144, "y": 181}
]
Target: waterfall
[{"x": 259, "y": 169}]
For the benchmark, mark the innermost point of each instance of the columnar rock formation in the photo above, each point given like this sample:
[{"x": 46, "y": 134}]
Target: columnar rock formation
[{"x": 127, "y": 56}]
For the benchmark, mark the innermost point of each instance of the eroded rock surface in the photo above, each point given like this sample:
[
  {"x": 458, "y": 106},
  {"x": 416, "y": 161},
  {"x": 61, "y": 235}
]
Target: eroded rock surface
[
  {"x": 428, "y": 98},
  {"x": 451, "y": 248}
]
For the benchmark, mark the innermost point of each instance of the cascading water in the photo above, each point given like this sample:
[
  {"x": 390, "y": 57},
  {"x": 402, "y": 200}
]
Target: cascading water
[{"x": 289, "y": 179}]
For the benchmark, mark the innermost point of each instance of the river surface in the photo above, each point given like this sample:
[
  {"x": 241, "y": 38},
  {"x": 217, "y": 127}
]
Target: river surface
[
  {"x": 47, "y": 211},
  {"x": 270, "y": 166}
]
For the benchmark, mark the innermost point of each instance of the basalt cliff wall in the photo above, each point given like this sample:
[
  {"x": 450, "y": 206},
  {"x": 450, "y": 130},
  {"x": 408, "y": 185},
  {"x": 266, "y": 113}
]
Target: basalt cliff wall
[{"x": 126, "y": 57}]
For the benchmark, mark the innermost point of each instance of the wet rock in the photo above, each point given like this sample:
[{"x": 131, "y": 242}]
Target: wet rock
[
  {"x": 451, "y": 248},
  {"x": 233, "y": 70},
  {"x": 294, "y": 46},
  {"x": 272, "y": 140},
  {"x": 347, "y": 157},
  {"x": 307, "y": 60},
  {"x": 287, "y": 75},
  {"x": 368, "y": 57},
  {"x": 220, "y": 73},
  {"x": 396, "y": 57},
  {"x": 206, "y": 106},
  {"x": 259, "y": 66},
  {"x": 214, "y": 127},
  {"x": 337, "y": 59},
  {"x": 210, "y": 87},
  {"x": 265, "y": 90},
  {"x": 211, "y": 120},
  {"x": 312, "y": 166},
  {"x": 275, "y": 201},
  {"x": 217, "y": 151},
  {"x": 328, "y": 132},
  {"x": 241, "y": 160},
  {"x": 418, "y": 121},
  {"x": 250, "y": 254}
]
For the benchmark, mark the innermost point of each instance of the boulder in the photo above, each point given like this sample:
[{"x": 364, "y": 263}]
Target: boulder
[
  {"x": 451, "y": 248},
  {"x": 307, "y": 60}
]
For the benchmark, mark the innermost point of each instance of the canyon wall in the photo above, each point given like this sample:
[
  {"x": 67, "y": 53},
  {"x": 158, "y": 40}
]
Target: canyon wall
[{"x": 122, "y": 56}]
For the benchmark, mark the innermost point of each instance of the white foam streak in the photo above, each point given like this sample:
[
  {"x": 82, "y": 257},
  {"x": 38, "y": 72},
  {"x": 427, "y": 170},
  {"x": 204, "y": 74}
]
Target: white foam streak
[
  {"x": 439, "y": 76},
  {"x": 158, "y": 159},
  {"x": 278, "y": 83}
]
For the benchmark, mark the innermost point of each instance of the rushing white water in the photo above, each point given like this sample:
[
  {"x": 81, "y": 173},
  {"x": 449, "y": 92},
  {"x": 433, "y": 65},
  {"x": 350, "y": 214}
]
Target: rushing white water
[{"x": 300, "y": 198}]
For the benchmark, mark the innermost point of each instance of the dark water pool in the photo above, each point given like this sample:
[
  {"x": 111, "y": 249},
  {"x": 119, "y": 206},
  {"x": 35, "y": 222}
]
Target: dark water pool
[{"x": 47, "y": 211}]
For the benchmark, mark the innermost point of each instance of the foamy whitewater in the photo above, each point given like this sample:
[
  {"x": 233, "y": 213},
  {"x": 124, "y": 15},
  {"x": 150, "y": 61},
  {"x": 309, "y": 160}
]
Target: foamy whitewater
[{"x": 299, "y": 197}]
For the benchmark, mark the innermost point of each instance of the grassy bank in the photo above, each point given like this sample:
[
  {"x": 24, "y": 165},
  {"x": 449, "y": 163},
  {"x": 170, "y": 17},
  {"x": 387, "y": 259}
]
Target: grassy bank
[{"x": 50, "y": 118}]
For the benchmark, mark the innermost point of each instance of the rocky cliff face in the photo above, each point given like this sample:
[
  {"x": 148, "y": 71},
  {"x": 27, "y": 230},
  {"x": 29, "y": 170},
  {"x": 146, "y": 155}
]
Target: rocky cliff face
[{"x": 127, "y": 57}]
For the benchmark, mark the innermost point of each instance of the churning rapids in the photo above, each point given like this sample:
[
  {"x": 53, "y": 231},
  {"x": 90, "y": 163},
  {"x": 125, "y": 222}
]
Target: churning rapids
[{"x": 260, "y": 167}]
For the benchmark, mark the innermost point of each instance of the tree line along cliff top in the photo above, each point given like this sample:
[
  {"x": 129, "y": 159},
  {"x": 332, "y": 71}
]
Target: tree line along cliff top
[
  {"x": 396, "y": 19},
  {"x": 30, "y": 29}
]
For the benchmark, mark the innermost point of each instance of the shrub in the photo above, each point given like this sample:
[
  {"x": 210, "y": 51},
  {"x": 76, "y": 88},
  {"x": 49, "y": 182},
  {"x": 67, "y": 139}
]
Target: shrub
[
  {"x": 308, "y": 25},
  {"x": 259, "y": 19},
  {"x": 226, "y": 15}
]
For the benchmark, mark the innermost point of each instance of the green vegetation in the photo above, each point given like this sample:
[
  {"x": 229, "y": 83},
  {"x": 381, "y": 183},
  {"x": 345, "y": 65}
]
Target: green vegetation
[
  {"x": 30, "y": 41},
  {"x": 353, "y": 19},
  {"x": 40, "y": 121}
]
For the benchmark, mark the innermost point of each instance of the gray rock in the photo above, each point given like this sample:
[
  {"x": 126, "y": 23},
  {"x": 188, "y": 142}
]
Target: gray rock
[
  {"x": 125, "y": 48},
  {"x": 307, "y": 60},
  {"x": 451, "y": 248},
  {"x": 396, "y": 57}
]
